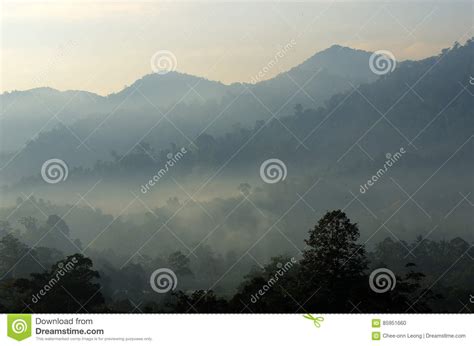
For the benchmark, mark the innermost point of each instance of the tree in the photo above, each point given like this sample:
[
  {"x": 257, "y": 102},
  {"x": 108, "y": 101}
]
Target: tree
[
  {"x": 270, "y": 289},
  {"x": 5, "y": 228},
  {"x": 30, "y": 223},
  {"x": 14, "y": 259},
  {"x": 333, "y": 266},
  {"x": 69, "y": 287},
  {"x": 298, "y": 110},
  {"x": 199, "y": 301},
  {"x": 408, "y": 295},
  {"x": 179, "y": 263}
]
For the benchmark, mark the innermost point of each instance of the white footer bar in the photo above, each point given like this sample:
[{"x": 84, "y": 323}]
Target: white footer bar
[{"x": 237, "y": 329}]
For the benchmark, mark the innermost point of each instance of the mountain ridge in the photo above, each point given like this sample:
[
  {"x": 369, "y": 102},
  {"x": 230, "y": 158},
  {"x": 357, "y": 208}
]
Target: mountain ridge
[
  {"x": 156, "y": 94},
  {"x": 420, "y": 90},
  {"x": 331, "y": 48}
]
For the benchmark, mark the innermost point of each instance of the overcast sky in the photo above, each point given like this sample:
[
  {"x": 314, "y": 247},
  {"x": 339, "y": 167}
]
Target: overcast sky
[{"x": 102, "y": 46}]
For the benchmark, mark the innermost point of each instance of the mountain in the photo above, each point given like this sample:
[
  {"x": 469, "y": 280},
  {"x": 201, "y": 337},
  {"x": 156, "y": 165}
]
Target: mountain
[
  {"x": 167, "y": 89},
  {"x": 192, "y": 101},
  {"x": 26, "y": 113},
  {"x": 323, "y": 75},
  {"x": 423, "y": 107}
]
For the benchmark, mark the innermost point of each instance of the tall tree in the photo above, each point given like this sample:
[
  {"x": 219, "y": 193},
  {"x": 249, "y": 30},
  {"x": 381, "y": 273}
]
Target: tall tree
[
  {"x": 333, "y": 264},
  {"x": 70, "y": 286}
]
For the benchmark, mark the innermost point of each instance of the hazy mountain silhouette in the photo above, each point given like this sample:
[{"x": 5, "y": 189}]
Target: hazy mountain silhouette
[
  {"x": 415, "y": 95},
  {"x": 164, "y": 90},
  {"x": 323, "y": 75},
  {"x": 26, "y": 113}
]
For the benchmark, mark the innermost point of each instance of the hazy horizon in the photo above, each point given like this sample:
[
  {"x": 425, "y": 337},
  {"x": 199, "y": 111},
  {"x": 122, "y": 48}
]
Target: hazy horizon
[{"x": 106, "y": 46}]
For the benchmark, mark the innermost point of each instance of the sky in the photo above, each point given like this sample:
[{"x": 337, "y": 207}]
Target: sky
[{"x": 103, "y": 46}]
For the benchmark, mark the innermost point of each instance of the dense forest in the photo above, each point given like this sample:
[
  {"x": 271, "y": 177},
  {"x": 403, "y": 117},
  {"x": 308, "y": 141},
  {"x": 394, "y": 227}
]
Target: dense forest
[{"x": 332, "y": 274}]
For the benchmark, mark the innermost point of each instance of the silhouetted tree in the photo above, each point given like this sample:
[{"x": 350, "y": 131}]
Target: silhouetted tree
[
  {"x": 179, "y": 263},
  {"x": 14, "y": 258},
  {"x": 70, "y": 286},
  {"x": 274, "y": 288},
  {"x": 199, "y": 302},
  {"x": 333, "y": 265}
]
